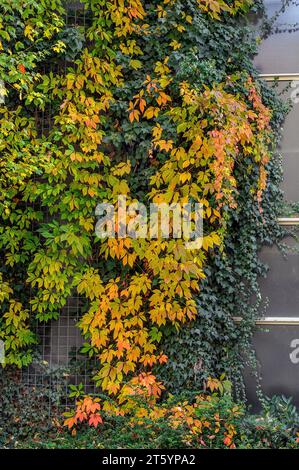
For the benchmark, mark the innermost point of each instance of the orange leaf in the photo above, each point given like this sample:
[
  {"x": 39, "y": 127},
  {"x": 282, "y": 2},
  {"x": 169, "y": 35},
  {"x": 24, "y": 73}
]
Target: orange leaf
[
  {"x": 94, "y": 420},
  {"x": 21, "y": 68}
]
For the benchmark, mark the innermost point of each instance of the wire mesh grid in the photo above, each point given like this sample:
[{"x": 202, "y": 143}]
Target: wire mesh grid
[
  {"x": 77, "y": 14},
  {"x": 58, "y": 362}
]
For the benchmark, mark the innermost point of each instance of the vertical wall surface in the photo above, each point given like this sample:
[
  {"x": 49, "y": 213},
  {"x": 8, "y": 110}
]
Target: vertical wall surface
[{"x": 277, "y": 338}]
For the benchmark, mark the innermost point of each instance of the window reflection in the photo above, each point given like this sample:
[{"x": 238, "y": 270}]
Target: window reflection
[{"x": 279, "y": 53}]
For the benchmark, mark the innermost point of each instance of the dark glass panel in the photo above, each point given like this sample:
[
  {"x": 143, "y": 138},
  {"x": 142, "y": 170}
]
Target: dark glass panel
[
  {"x": 281, "y": 286},
  {"x": 289, "y": 146},
  {"x": 277, "y": 350}
]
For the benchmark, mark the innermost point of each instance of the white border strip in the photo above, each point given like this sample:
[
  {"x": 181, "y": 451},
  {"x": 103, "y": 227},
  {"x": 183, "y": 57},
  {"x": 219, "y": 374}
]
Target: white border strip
[
  {"x": 281, "y": 77},
  {"x": 288, "y": 220},
  {"x": 273, "y": 320}
]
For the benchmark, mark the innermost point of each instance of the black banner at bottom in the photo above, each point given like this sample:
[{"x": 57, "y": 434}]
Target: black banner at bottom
[{"x": 132, "y": 459}]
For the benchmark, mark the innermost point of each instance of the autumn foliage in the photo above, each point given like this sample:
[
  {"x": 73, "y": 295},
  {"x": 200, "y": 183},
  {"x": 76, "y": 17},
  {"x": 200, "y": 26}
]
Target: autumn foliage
[
  {"x": 119, "y": 97},
  {"x": 210, "y": 417}
]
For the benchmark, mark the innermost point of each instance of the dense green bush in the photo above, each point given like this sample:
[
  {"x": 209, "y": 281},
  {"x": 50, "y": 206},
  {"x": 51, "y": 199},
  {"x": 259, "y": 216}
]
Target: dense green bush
[
  {"x": 25, "y": 423},
  {"x": 26, "y": 410},
  {"x": 275, "y": 427}
]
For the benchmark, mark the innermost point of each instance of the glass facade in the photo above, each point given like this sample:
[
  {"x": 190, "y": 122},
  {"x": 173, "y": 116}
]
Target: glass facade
[
  {"x": 279, "y": 53},
  {"x": 276, "y": 340},
  {"x": 277, "y": 350},
  {"x": 281, "y": 286}
]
